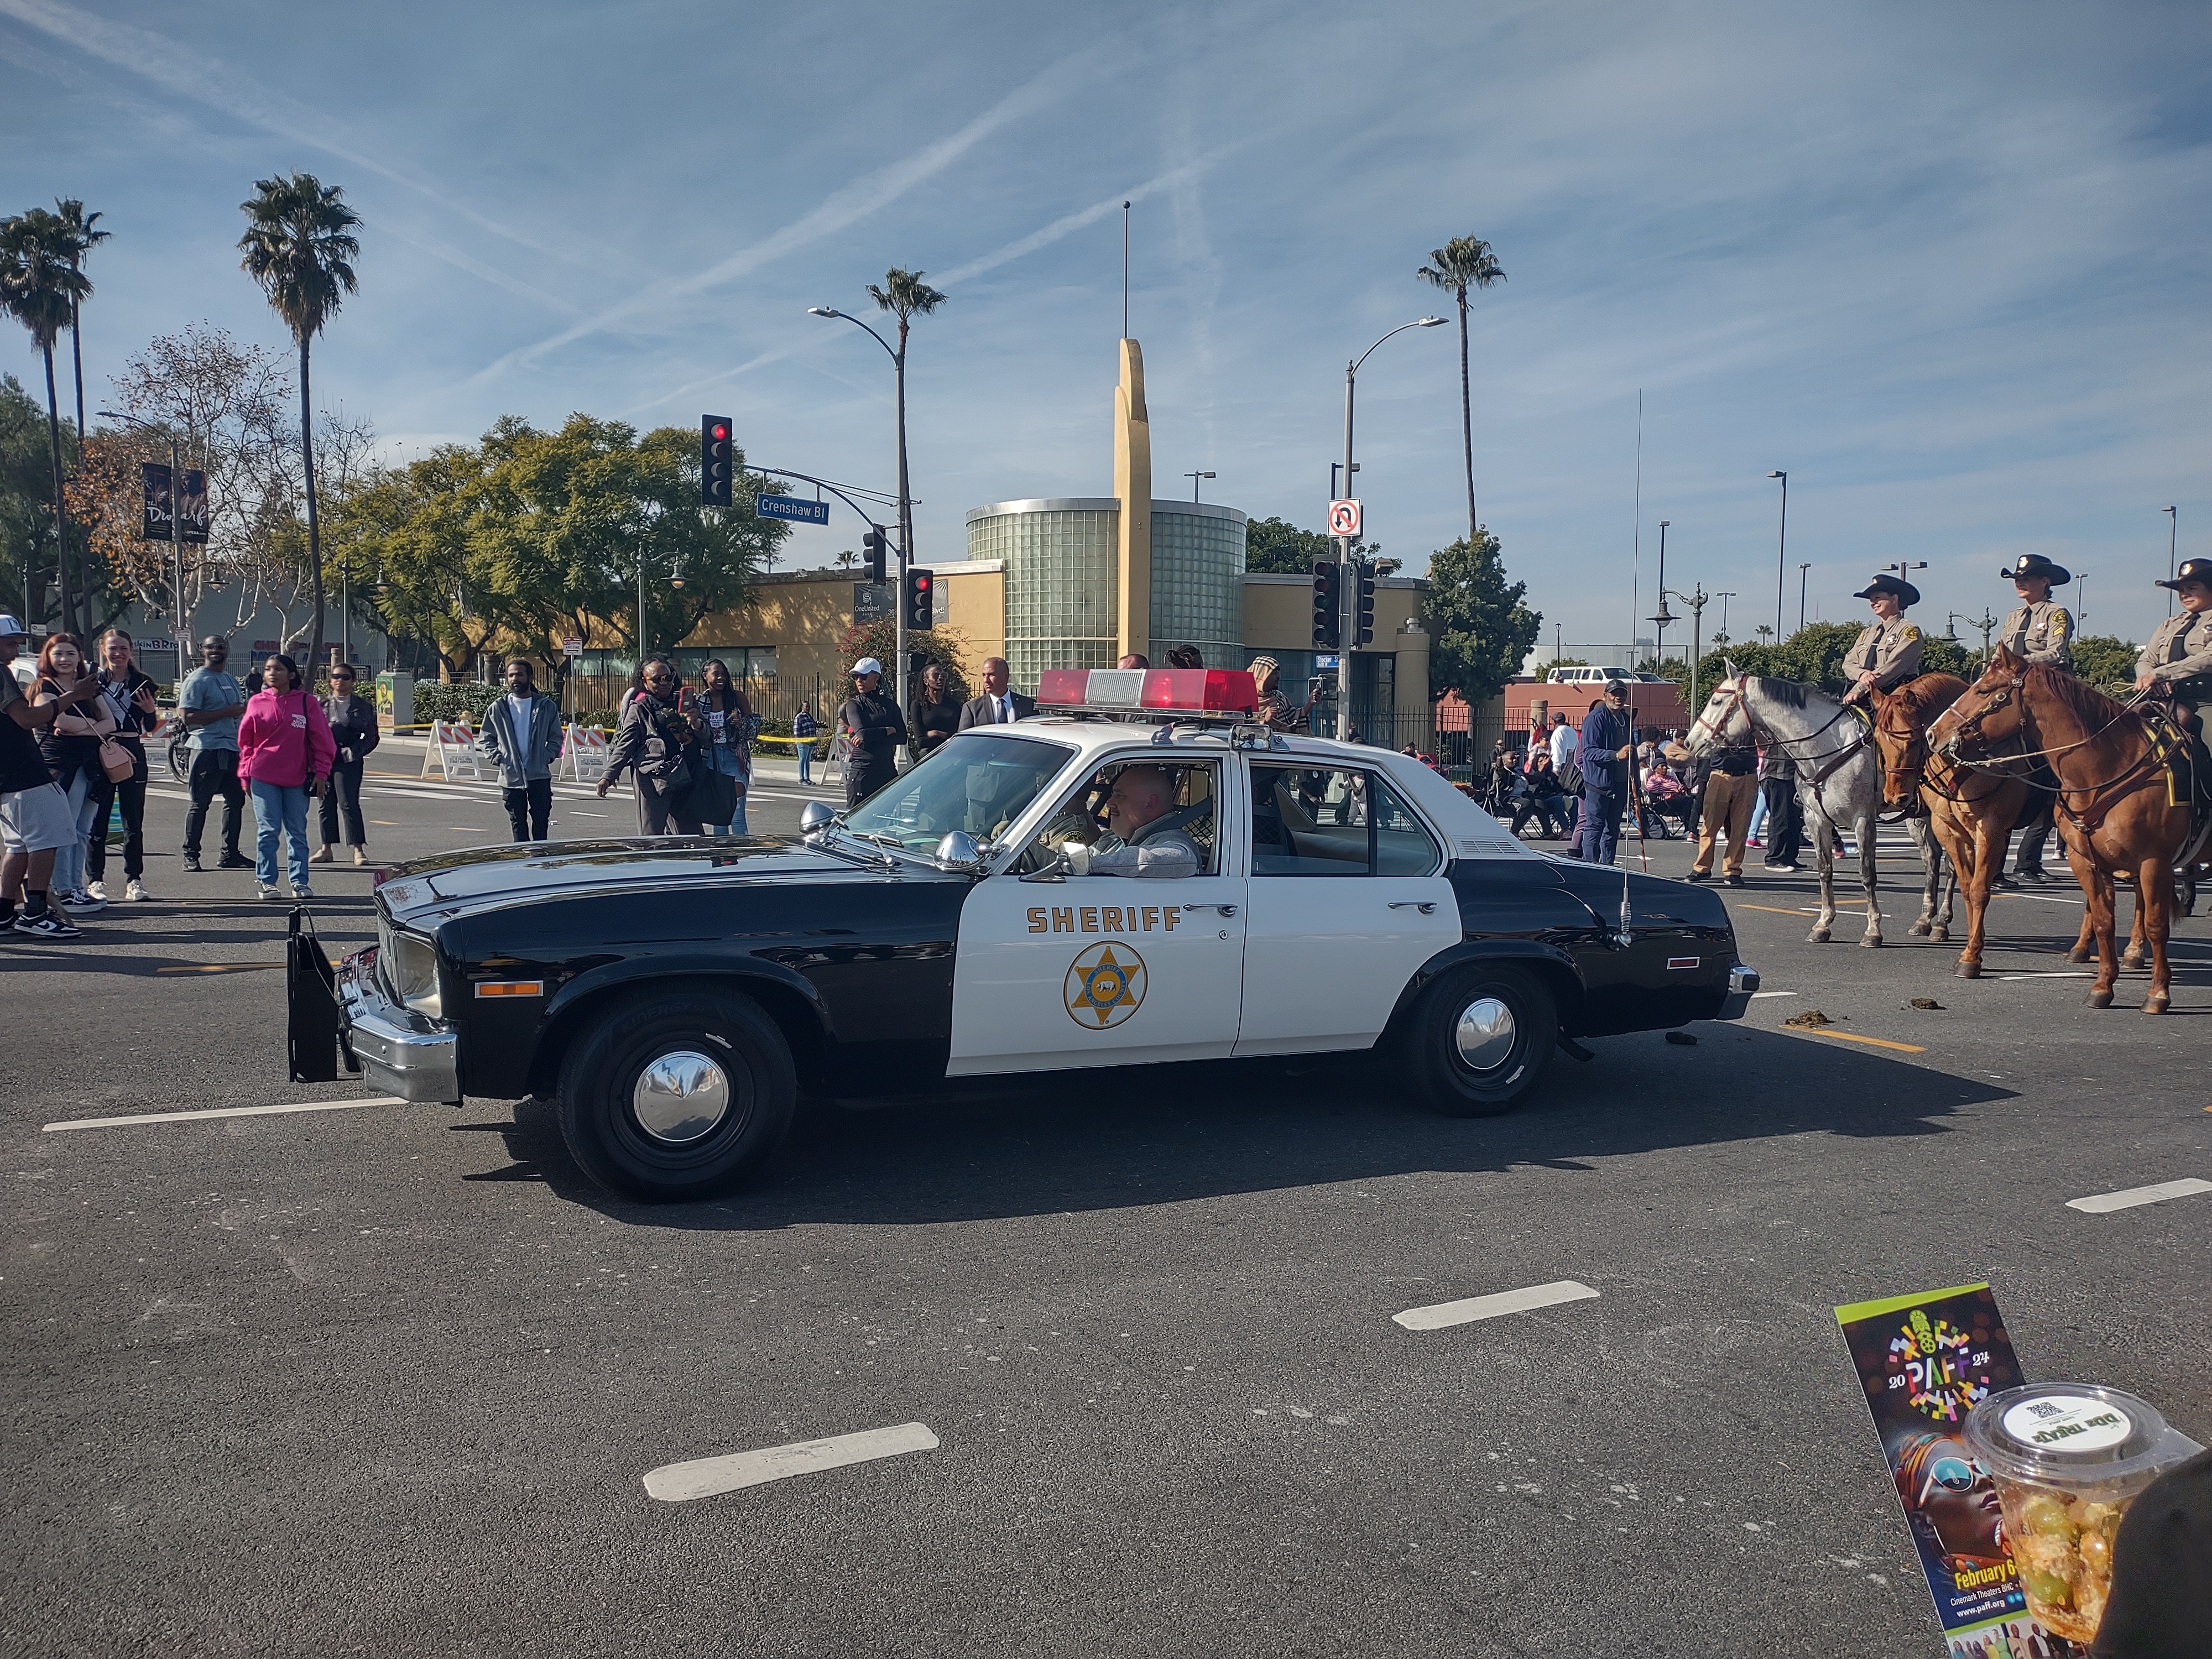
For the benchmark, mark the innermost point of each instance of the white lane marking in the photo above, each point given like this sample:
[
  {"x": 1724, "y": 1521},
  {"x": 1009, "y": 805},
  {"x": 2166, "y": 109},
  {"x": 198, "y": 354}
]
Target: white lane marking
[
  {"x": 1437, "y": 1317},
  {"x": 227, "y": 1111},
  {"x": 2060, "y": 973},
  {"x": 1756, "y": 995},
  {"x": 2047, "y": 898},
  {"x": 703, "y": 1477},
  {"x": 2104, "y": 1203}
]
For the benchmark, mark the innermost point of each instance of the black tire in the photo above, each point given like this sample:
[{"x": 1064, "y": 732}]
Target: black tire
[
  {"x": 599, "y": 1094},
  {"x": 1486, "y": 1084},
  {"x": 180, "y": 759}
]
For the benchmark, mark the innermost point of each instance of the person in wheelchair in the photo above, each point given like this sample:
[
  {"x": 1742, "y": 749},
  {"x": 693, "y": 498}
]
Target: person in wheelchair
[
  {"x": 1148, "y": 835},
  {"x": 1667, "y": 800}
]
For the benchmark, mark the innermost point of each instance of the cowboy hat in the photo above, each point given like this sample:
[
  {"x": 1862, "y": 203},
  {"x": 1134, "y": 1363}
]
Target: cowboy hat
[
  {"x": 1907, "y": 595},
  {"x": 2034, "y": 564}
]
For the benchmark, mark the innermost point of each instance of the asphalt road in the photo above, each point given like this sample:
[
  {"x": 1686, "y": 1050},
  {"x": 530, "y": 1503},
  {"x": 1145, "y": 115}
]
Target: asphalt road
[{"x": 389, "y": 1379}]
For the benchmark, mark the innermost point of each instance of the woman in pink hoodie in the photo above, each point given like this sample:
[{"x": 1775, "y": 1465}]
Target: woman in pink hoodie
[{"x": 284, "y": 754}]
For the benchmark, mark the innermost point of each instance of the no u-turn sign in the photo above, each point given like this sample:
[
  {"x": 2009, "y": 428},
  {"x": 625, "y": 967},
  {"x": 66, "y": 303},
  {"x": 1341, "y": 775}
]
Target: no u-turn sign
[{"x": 1344, "y": 518}]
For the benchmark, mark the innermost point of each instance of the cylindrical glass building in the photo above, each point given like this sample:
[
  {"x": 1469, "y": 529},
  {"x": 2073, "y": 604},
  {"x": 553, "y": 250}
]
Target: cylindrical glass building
[{"x": 1059, "y": 556}]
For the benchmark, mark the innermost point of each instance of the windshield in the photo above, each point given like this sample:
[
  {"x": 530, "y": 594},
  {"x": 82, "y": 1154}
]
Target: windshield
[{"x": 979, "y": 781}]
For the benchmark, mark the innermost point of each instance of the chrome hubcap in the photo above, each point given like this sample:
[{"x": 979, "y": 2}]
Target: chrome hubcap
[
  {"x": 1485, "y": 1033},
  {"x": 681, "y": 1097}
]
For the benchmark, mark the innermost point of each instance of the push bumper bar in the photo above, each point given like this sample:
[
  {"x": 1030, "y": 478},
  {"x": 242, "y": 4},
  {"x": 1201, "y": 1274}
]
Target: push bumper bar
[
  {"x": 404, "y": 1053},
  {"x": 1742, "y": 981}
]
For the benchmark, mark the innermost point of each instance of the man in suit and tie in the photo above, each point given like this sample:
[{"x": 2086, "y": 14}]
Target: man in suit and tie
[{"x": 999, "y": 705}]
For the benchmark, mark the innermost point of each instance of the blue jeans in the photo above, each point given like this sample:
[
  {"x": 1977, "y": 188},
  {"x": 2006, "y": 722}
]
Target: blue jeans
[
  {"x": 1598, "y": 834},
  {"x": 1758, "y": 815},
  {"x": 68, "y": 861},
  {"x": 805, "y": 747},
  {"x": 730, "y": 766},
  {"x": 279, "y": 806}
]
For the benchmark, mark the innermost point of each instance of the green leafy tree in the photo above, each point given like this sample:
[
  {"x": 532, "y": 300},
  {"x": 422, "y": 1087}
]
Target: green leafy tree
[
  {"x": 300, "y": 246},
  {"x": 1819, "y": 660},
  {"x": 26, "y": 500},
  {"x": 2107, "y": 663},
  {"x": 1482, "y": 631},
  {"x": 1279, "y": 546},
  {"x": 1462, "y": 262},
  {"x": 41, "y": 286}
]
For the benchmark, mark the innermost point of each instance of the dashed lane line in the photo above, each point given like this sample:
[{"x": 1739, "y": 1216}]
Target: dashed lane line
[
  {"x": 705, "y": 1477},
  {"x": 2105, "y": 1203},
  {"x": 219, "y": 968},
  {"x": 225, "y": 1111},
  {"x": 1756, "y": 995},
  {"x": 1442, "y": 1315}
]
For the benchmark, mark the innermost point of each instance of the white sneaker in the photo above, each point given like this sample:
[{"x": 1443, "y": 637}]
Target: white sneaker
[
  {"x": 136, "y": 891},
  {"x": 81, "y": 902},
  {"x": 302, "y": 893},
  {"x": 96, "y": 890},
  {"x": 266, "y": 890}
]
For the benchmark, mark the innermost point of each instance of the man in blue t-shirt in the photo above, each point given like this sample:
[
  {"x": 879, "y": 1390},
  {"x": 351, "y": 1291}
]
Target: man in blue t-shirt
[{"x": 211, "y": 702}]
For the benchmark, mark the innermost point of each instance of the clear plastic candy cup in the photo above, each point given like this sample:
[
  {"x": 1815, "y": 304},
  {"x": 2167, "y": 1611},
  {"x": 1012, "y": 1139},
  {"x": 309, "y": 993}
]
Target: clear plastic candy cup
[{"x": 2067, "y": 1459}]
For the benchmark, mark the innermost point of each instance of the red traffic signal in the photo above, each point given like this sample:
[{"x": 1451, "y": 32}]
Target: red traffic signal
[
  {"x": 919, "y": 611},
  {"x": 715, "y": 460}
]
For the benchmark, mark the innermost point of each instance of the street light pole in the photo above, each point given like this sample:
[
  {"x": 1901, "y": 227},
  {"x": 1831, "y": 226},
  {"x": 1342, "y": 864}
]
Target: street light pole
[
  {"x": 1724, "y": 595},
  {"x": 176, "y": 534},
  {"x": 2172, "y": 543},
  {"x": 1659, "y": 649},
  {"x": 905, "y": 503},
  {"x": 1782, "y": 555},
  {"x": 1348, "y": 585},
  {"x": 1801, "y": 570},
  {"x": 1195, "y": 477}
]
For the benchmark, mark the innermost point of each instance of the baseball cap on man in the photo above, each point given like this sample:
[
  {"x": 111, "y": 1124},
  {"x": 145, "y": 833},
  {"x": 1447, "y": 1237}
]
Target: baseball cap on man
[
  {"x": 9, "y": 628},
  {"x": 866, "y": 665}
]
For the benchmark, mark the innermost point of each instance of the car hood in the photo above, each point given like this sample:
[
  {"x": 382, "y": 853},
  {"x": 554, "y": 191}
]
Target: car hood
[{"x": 458, "y": 882}]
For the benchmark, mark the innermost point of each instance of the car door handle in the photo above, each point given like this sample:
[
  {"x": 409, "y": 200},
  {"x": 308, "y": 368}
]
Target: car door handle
[
  {"x": 1427, "y": 908},
  {"x": 1225, "y": 909}
]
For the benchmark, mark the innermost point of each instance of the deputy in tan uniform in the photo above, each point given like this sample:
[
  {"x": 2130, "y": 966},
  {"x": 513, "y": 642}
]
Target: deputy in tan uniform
[
  {"x": 1887, "y": 651},
  {"x": 2178, "y": 658},
  {"x": 2040, "y": 631}
]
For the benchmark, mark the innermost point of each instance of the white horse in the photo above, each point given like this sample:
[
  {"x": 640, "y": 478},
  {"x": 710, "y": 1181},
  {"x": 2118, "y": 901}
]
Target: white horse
[{"x": 1839, "y": 783}]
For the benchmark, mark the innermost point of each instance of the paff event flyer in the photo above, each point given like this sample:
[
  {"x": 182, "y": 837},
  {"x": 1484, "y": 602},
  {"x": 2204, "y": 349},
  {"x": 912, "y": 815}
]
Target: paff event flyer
[{"x": 1925, "y": 1361}]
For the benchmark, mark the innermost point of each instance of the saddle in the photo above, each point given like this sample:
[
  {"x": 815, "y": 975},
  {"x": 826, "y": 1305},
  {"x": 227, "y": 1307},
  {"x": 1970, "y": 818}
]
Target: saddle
[{"x": 2188, "y": 772}]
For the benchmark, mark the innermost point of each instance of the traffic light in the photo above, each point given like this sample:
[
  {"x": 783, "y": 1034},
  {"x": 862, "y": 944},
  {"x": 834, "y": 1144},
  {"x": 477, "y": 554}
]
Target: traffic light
[
  {"x": 1329, "y": 604},
  {"x": 876, "y": 544},
  {"x": 1364, "y": 631},
  {"x": 919, "y": 591},
  {"x": 714, "y": 446}
]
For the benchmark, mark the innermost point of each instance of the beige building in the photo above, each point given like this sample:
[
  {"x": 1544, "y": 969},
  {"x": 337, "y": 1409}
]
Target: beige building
[{"x": 1056, "y": 583}]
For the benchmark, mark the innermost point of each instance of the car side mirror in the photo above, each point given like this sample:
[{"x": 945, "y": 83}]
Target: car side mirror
[
  {"x": 961, "y": 851},
  {"x": 815, "y": 816}
]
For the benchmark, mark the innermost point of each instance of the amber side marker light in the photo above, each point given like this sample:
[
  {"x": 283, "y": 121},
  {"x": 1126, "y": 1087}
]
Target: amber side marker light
[{"x": 512, "y": 987}]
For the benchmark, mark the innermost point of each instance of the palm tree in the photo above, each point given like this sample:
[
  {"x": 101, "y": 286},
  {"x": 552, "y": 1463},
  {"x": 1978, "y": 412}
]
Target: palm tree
[
  {"x": 298, "y": 245},
  {"x": 39, "y": 287},
  {"x": 905, "y": 295},
  {"x": 77, "y": 225},
  {"x": 1462, "y": 262}
]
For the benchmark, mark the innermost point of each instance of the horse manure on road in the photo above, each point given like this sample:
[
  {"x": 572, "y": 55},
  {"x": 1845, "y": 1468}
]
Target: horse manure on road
[
  {"x": 1925, "y": 1002},
  {"x": 1811, "y": 1019}
]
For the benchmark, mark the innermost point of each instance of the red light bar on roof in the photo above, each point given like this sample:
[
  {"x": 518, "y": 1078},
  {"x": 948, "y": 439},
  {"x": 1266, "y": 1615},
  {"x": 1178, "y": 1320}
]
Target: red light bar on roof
[{"x": 1217, "y": 691}]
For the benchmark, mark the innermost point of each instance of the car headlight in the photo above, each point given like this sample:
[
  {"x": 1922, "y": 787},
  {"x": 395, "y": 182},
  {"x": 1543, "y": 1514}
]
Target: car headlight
[{"x": 408, "y": 964}]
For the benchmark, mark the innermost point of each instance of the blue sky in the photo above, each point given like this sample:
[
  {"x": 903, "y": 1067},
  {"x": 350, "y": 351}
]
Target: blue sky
[{"x": 1947, "y": 266}]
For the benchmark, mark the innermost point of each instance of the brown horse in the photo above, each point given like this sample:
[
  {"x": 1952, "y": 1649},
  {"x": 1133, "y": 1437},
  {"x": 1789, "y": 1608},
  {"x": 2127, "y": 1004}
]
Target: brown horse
[
  {"x": 2118, "y": 794},
  {"x": 1971, "y": 813}
]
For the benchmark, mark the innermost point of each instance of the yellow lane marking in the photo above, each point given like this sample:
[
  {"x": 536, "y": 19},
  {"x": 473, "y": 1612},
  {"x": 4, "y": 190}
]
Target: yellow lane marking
[
  {"x": 1853, "y": 1036},
  {"x": 220, "y": 968},
  {"x": 1770, "y": 909},
  {"x": 385, "y": 823}
]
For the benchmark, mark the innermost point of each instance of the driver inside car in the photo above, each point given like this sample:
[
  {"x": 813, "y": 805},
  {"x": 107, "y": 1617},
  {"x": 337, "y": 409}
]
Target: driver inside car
[{"x": 1141, "y": 815}]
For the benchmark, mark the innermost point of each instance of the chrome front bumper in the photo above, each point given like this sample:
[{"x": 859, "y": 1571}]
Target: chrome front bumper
[
  {"x": 1742, "y": 981},
  {"x": 403, "y": 1053}
]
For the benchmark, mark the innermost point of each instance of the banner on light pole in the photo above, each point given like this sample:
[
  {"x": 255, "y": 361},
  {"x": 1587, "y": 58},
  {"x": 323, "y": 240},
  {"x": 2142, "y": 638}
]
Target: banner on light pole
[{"x": 154, "y": 482}]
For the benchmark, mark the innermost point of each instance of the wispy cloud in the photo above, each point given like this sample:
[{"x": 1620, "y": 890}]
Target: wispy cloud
[
  {"x": 223, "y": 87},
  {"x": 843, "y": 207},
  {"x": 1021, "y": 245}
]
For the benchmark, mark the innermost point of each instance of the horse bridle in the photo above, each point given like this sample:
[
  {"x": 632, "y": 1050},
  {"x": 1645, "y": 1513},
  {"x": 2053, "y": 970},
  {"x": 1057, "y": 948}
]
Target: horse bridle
[{"x": 1834, "y": 761}]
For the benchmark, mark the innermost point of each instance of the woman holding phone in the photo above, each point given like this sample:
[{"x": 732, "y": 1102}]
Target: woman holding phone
[
  {"x": 127, "y": 693},
  {"x": 71, "y": 748}
]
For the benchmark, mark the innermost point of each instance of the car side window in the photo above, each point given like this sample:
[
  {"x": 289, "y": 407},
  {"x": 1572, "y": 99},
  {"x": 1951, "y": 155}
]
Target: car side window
[
  {"x": 1334, "y": 821},
  {"x": 1192, "y": 792}
]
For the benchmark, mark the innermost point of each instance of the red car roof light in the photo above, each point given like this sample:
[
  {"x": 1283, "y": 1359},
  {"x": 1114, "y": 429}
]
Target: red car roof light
[{"x": 1201, "y": 693}]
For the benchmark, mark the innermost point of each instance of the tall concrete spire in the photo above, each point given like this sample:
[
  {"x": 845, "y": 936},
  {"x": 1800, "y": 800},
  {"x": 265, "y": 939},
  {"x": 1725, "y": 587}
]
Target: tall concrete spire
[{"x": 1132, "y": 485}]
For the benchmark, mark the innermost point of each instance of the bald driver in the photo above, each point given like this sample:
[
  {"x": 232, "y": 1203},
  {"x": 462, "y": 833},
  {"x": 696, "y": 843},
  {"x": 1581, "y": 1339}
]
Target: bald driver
[{"x": 1141, "y": 811}]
